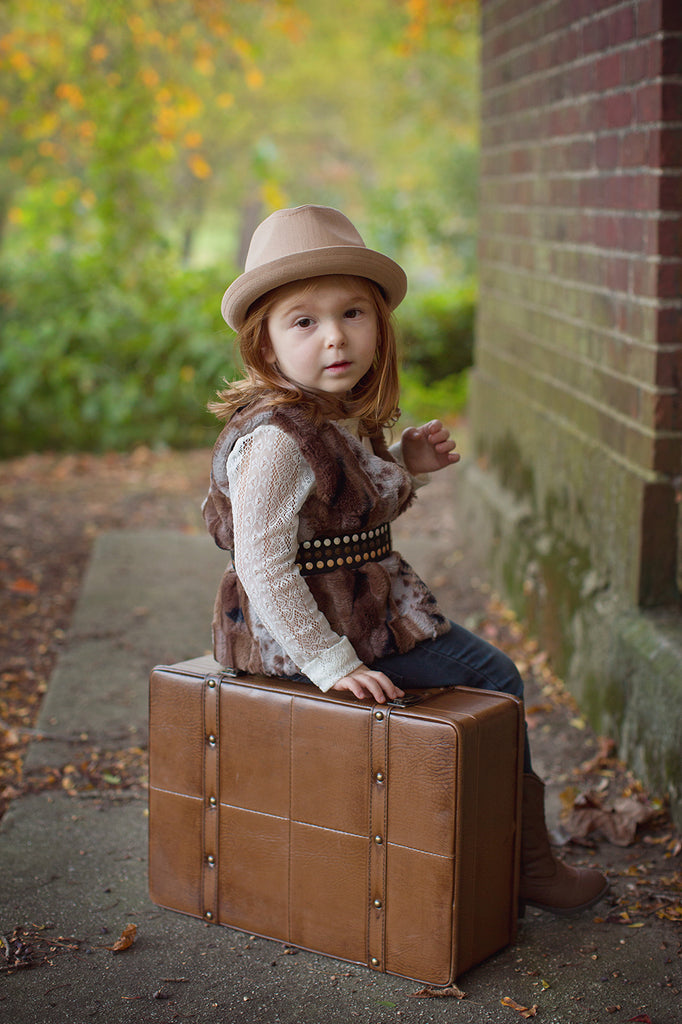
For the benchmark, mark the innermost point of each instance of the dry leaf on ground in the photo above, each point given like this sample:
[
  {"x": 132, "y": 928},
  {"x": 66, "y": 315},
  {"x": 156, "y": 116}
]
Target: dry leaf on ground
[
  {"x": 128, "y": 936},
  {"x": 525, "y": 1011},
  {"x": 618, "y": 824}
]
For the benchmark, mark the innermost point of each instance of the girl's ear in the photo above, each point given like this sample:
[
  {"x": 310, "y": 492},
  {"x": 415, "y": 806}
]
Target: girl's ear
[{"x": 268, "y": 352}]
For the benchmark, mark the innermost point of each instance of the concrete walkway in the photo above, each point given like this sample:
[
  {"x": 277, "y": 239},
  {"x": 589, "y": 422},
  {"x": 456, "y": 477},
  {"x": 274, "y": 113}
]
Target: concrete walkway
[{"x": 75, "y": 865}]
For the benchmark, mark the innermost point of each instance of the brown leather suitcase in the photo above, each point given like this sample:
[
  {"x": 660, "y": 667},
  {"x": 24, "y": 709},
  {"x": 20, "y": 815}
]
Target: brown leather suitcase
[{"x": 381, "y": 835}]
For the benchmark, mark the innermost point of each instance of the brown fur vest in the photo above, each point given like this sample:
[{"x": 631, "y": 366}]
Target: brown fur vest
[{"x": 382, "y": 607}]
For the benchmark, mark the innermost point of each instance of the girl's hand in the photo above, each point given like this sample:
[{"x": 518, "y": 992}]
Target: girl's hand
[
  {"x": 428, "y": 448},
  {"x": 364, "y": 682}
]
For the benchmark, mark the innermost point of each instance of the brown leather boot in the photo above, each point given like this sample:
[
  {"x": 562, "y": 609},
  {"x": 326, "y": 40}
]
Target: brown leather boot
[{"x": 546, "y": 882}]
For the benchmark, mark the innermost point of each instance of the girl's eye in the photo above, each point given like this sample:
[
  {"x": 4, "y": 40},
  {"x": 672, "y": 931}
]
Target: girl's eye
[
  {"x": 351, "y": 314},
  {"x": 303, "y": 321}
]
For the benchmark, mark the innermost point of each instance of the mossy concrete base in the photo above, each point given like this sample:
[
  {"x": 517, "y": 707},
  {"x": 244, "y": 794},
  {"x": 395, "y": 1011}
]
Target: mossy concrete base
[{"x": 623, "y": 665}]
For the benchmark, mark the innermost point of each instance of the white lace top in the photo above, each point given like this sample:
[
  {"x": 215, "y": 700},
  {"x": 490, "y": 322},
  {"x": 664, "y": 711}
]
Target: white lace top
[{"x": 269, "y": 482}]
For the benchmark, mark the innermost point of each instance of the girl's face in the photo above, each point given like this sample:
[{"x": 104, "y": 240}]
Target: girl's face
[{"x": 323, "y": 334}]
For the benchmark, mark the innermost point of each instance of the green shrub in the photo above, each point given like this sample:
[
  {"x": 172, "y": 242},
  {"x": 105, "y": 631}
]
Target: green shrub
[
  {"x": 443, "y": 400},
  {"x": 95, "y": 357},
  {"x": 436, "y": 330}
]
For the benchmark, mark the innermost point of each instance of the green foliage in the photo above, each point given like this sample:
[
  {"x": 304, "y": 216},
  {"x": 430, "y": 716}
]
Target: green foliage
[
  {"x": 436, "y": 329},
  {"x": 97, "y": 357},
  {"x": 443, "y": 400},
  {"x": 145, "y": 138}
]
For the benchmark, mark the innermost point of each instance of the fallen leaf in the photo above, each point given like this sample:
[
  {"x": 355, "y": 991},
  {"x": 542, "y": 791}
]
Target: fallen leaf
[
  {"x": 128, "y": 936},
  {"x": 451, "y": 992},
  {"x": 618, "y": 824},
  {"x": 643, "y": 1018},
  {"x": 525, "y": 1011},
  {"x": 606, "y": 749},
  {"x": 23, "y": 586}
]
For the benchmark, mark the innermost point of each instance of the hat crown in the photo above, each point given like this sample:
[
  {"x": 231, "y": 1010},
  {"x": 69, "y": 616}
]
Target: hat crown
[{"x": 301, "y": 229}]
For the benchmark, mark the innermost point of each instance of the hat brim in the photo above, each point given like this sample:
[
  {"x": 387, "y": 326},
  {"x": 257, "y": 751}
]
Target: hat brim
[{"x": 354, "y": 260}]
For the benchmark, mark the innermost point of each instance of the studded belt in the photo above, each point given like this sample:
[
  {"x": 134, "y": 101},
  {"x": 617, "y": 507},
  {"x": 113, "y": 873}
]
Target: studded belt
[{"x": 348, "y": 550}]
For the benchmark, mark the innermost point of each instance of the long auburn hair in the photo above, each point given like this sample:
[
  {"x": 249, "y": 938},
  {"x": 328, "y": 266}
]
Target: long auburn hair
[{"x": 373, "y": 400}]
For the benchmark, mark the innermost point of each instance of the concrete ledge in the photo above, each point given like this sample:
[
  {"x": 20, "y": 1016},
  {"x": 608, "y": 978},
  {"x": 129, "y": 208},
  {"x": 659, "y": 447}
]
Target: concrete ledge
[
  {"x": 648, "y": 666},
  {"x": 622, "y": 664}
]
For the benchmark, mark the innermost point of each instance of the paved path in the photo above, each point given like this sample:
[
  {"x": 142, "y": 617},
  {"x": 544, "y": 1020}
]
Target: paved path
[{"x": 75, "y": 865}]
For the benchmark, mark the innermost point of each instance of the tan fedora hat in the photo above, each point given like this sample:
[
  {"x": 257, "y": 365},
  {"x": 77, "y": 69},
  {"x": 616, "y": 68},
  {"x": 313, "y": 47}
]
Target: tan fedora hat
[{"x": 307, "y": 241}]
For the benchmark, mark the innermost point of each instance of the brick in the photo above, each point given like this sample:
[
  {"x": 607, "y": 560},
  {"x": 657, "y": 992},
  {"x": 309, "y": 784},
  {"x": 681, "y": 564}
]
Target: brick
[
  {"x": 558, "y": 17},
  {"x": 639, "y": 63},
  {"x": 617, "y": 272},
  {"x": 578, "y": 80},
  {"x": 667, "y": 455},
  {"x": 608, "y": 71},
  {"x": 621, "y": 24},
  {"x": 671, "y": 149},
  {"x": 566, "y": 47},
  {"x": 668, "y": 236},
  {"x": 649, "y": 17},
  {"x": 645, "y": 278},
  {"x": 618, "y": 110},
  {"x": 670, "y": 192},
  {"x": 607, "y": 150},
  {"x": 667, "y": 411},
  {"x": 595, "y": 35},
  {"x": 639, "y": 149},
  {"x": 672, "y": 16},
  {"x": 669, "y": 369},
  {"x": 658, "y": 548},
  {"x": 647, "y": 101},
  {"x": 644, "y": 192},
  {"x": 669, "y": 282},
  {"x": 632, "y": 233},
  {"x": 606, "y": 231},
  {"x": 666, "y": 56},
  {"x": 671, "y": 100},
  {"x": 565, "y": 120}
]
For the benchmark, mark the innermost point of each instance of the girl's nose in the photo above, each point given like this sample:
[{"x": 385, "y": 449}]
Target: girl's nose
[{"x": 334, "y": 335}]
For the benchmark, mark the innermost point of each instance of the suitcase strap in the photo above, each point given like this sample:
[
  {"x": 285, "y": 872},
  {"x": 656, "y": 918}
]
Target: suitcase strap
[
  {"x": 211, "y": 775},
  {"x": 376, "y": 896}
]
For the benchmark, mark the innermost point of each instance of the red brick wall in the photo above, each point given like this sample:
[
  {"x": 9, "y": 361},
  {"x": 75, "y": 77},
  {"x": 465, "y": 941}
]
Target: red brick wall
[{"x": 579, "y": 347}]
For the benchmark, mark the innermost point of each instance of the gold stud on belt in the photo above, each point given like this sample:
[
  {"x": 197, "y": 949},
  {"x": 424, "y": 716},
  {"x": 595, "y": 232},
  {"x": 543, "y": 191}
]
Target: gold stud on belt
[{"x": 345, "y": 551}]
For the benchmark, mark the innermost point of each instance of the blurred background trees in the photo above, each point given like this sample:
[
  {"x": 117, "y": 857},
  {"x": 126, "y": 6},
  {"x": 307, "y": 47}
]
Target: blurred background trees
[{"x": 142, "y": 142}]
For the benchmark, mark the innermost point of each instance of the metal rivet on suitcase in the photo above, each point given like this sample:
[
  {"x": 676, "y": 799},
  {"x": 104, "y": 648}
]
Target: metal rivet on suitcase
[
  {"x": 378, "y": 904},
  {"x": 374, "y": 962},
  {"x": 212, "y": 801},
  {"x": 379, "y": 776},
  {"x": 212, "y": 683},
  {"x": 208, "y": 915},
  {"x": 378, "y": 840},
  {"x": 379, "y": 715},
  {"x": 211, "y": 860},
  {"x": 212, "y": 740}
]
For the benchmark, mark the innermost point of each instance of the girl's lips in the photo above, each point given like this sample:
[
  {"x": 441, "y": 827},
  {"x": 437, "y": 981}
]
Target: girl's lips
[{"x": 338, "y": 366}]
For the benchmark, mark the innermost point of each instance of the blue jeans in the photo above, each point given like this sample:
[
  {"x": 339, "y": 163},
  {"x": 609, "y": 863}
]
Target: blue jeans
[{"x": 457, "y": 658}]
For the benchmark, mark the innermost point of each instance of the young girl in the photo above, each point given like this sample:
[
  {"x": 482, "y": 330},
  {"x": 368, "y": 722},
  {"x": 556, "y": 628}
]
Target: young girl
[{"x": 303, "y": 491}]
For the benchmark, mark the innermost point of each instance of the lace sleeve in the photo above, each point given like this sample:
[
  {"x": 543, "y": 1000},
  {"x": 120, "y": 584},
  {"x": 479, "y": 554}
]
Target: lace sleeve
[
  {"x": 269, "y": 482},
  {"x": 396, "y": 450}
]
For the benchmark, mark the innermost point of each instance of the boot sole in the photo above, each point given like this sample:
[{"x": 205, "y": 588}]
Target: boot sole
[{"x": 562, "y": 911}]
